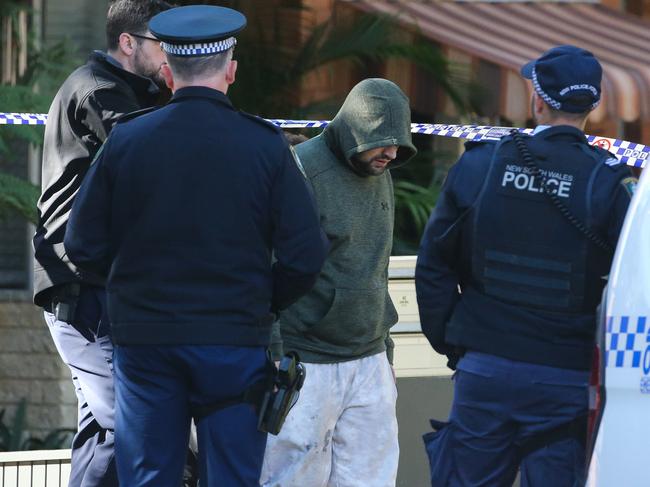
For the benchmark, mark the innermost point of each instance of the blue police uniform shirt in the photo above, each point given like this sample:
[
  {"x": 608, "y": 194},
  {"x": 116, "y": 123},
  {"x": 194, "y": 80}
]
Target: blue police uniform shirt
[
  {"x": 519, "y": 312},
  {"x": 181, "y": 211}
]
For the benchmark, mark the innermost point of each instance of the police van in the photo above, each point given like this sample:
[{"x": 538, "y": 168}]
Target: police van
[{"x": 619, "y": 423}]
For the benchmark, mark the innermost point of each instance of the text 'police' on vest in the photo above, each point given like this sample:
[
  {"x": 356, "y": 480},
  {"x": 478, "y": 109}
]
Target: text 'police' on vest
[{"x": 522, "y": 179}]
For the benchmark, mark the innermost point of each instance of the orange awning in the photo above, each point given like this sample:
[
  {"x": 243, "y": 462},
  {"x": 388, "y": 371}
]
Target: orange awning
[{"x": 510, "y": 34}]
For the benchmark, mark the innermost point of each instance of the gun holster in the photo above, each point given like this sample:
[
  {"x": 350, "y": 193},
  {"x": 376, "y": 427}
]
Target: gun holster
[
  {"x": 279, "y": 400},
  {"x": 65, "y": 300},
  {"x": 273, "y": 397}
]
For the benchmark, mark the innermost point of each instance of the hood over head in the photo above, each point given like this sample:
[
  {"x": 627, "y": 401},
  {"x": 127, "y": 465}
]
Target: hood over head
[{"x": 375, "y": 113}]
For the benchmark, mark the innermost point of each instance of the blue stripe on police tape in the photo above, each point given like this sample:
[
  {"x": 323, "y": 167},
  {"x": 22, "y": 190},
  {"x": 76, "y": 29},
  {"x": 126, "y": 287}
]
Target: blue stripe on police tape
[{"x": 626, "y": 152}]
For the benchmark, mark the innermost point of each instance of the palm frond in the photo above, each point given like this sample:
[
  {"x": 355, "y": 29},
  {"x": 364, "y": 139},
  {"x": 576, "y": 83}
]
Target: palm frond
[
  {"x": 413, "y": 206},
  {"x": 373, "y": 38},
  {"x": 18, "y": 196},
  {"x": 269, "y": 75},
  {"x": 17, "y": 428},
  {"x": 55, "y": 440}
]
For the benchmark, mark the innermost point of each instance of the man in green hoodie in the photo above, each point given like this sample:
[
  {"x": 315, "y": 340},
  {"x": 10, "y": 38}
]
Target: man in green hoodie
[{"x": 343, "y": 430}]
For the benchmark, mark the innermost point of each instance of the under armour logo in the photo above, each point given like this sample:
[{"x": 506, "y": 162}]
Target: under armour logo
[{"x": 384, "y": 205}]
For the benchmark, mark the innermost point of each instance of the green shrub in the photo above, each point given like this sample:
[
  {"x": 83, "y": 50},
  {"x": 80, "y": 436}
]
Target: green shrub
[{"x": 14, "y": 435}]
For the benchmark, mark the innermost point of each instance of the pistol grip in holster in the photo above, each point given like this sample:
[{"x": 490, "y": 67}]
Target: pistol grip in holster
[
  {"x": 279, "y": 400},
  {"x": 272, "y": 397},
  {"x": 64, "y": 302}
]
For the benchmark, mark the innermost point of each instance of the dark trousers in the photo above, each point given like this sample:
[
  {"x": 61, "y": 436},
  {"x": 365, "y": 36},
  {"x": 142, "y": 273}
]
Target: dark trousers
[
  {"x": 87, "y": 351},
  {"x": 155, "y": 388},
  {"x": 498, "y": 405}
]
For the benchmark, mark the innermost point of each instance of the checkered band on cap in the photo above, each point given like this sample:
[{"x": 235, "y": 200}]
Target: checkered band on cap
[
  {"x": 554, "y": 103},
  {"x": 550, "y": 101},
  {"x": 202, "y": 49}
]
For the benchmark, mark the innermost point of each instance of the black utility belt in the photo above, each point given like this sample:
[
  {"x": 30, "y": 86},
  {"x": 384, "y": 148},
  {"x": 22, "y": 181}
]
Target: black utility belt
[{"x": 272, "y": 397}]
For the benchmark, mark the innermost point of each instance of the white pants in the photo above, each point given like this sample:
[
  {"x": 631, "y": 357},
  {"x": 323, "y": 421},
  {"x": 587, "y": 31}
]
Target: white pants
[{"x": 342, "y": 432}]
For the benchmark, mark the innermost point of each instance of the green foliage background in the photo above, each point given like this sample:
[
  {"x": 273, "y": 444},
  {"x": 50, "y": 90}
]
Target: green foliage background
[
  {"x": 46, "y": 69},
  {"x": 14, "y": 435}
]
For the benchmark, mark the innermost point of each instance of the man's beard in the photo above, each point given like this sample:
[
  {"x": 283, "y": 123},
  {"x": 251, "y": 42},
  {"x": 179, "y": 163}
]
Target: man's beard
[
  {"x": 143, "y": 67},
  {"x": 366, "y": 168}
]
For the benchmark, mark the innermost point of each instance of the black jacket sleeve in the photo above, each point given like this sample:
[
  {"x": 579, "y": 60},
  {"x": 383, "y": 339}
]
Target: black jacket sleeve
[
  {"x": 87, "y": 237},
  {"x": 299, "y": 244},
  {"x": 103, "y": 107}
]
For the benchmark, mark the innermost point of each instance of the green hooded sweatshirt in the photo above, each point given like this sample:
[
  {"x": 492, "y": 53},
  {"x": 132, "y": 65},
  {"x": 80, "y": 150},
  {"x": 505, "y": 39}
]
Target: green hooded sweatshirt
[{"x": 348, "y": 313}]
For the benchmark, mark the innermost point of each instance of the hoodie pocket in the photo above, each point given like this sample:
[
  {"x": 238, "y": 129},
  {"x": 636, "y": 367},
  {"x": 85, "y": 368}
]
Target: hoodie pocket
[{"x": 357, "y": 316}]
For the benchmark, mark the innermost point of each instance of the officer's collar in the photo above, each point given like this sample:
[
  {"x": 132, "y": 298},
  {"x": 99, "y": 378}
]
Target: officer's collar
[
  {"x": 539, "y": 128},
  {"x": 201, "y": 92},
  {"x": 562, "y": 131}
]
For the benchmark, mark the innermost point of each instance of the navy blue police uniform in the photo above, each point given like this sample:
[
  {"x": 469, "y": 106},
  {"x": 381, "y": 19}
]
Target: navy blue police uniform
[
  {"x": 507, "y": 288},
  {"x": 182, "y": 211}
]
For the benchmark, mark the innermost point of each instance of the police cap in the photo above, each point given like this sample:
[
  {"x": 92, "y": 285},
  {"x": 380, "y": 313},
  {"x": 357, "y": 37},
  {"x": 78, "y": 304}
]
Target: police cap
[
  {"x": 197, "y": 30},
  {"x": 567, "y": 78}
]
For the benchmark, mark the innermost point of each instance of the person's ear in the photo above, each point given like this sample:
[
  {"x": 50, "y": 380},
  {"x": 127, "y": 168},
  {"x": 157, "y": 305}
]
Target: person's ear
[
  {"x": 167, "y": 75},
  {"x": 126, "y": 44},
  {"x": 231, "y": 71}
]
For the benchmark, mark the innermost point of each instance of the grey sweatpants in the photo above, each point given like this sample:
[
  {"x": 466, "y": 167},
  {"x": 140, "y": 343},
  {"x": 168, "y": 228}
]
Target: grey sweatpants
[
  {"x": 90, "y": 360},
  {"x": 342, "y": 432}
]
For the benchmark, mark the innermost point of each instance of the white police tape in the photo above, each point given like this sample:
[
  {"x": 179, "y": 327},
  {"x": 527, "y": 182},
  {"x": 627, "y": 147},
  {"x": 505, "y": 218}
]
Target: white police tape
[{"x": 626, "y": 152}]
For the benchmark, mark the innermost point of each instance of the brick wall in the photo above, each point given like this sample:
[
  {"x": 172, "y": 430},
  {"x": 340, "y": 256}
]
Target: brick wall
[{"x": 30, "y": 368}]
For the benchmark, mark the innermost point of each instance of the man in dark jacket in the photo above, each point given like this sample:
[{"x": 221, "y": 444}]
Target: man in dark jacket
[
  {"x": 80, "y": 118},
  {"x": 527, "y": 228},
  {"x": 346, "y": 412},
  {"x": 182, "y": 211}
]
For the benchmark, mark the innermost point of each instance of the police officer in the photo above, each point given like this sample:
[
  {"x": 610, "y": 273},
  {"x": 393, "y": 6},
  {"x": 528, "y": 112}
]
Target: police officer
[
  {"x": 526, "y": 228},
  {"x": 182, "y": 210}
]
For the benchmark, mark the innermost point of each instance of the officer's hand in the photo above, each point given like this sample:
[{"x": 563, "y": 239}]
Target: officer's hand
[{"x": 452, "y": 360}]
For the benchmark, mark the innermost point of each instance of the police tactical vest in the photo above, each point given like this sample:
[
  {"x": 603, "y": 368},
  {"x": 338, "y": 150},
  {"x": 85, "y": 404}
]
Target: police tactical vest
[{"x": 524, "y": 251}]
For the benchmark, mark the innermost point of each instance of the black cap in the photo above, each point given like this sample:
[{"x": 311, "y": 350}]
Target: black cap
[
  {"x": 197, "y": 30},
  {"x": 562, "y": 73}
]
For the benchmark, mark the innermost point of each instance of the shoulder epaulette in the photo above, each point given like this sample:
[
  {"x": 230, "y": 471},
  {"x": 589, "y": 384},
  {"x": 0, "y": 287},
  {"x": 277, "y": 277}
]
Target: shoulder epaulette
[
  {"x": 471, "y": 144},
  {"x": 604, "y": 156},
  {"x": 261, "y": 121},
  {"x": 131, "y": 115}
]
